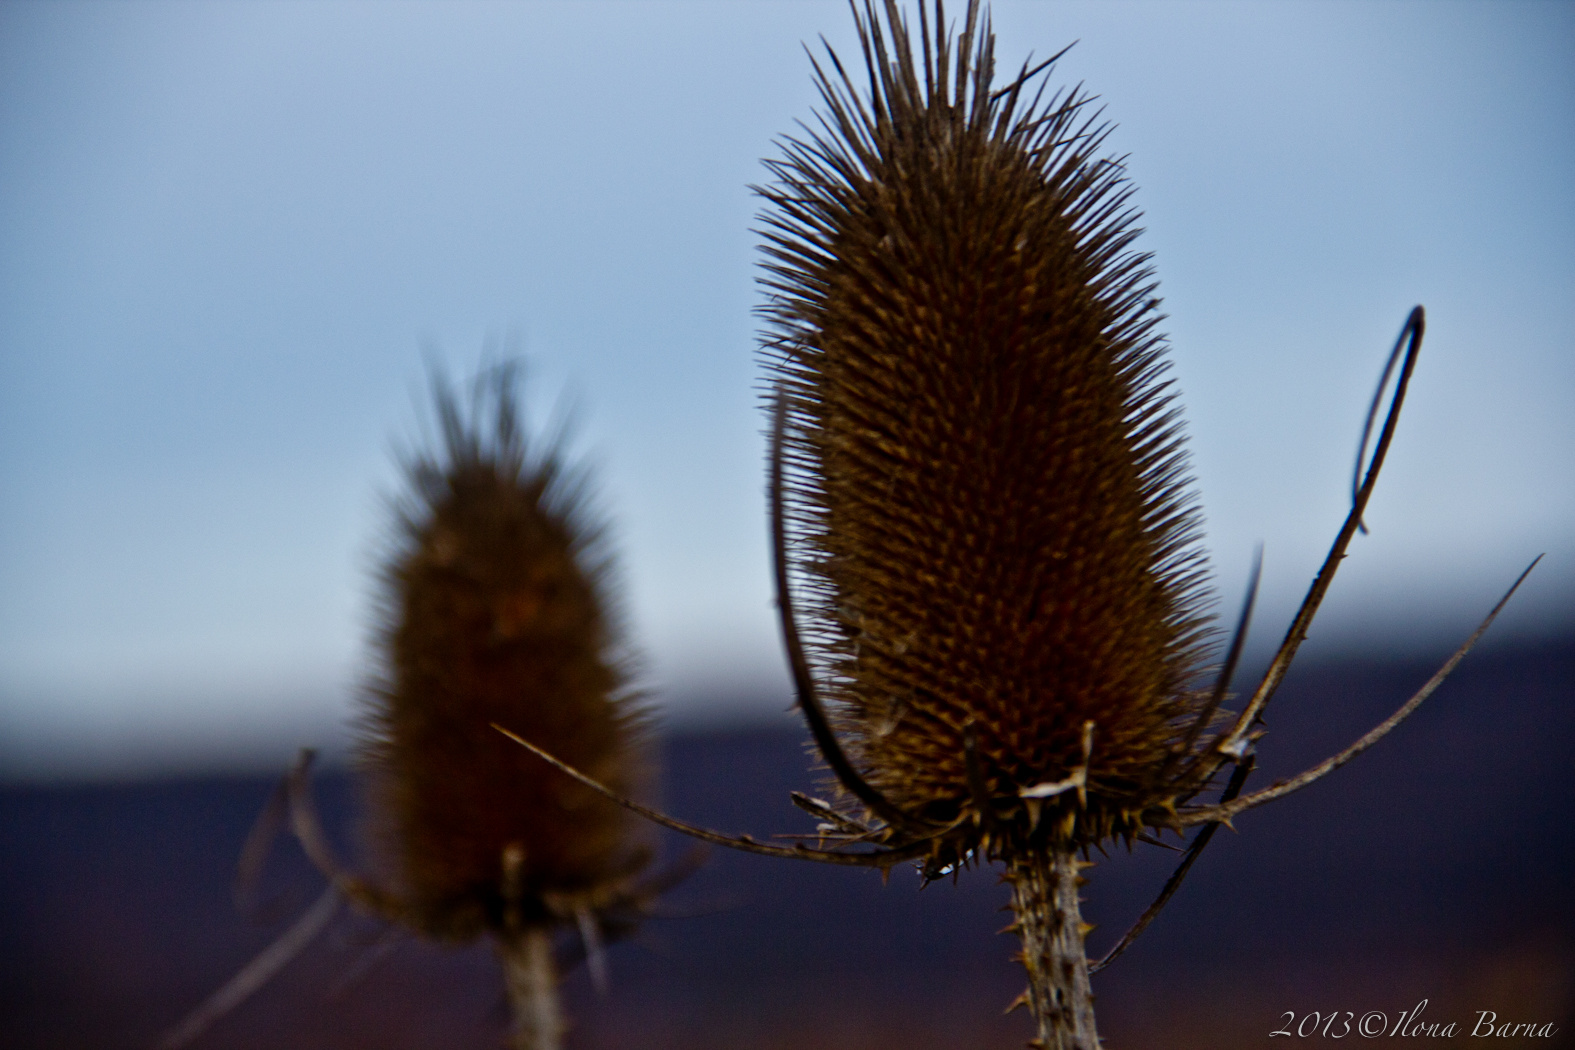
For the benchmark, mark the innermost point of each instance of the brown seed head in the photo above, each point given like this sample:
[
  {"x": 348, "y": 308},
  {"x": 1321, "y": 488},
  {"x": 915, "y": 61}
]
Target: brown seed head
[
  {"x": 988, "y": 503},
  {"x": 495, "y": 612}
]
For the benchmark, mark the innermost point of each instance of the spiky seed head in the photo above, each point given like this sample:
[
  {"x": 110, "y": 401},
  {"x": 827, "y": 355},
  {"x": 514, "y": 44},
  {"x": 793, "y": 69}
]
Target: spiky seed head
[
  {"x": 496, "y": 612},
  {"x": 990, "y": 518}
]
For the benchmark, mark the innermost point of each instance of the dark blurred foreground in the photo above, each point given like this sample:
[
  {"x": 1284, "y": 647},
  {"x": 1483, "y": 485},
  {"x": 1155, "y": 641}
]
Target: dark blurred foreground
[{"x": 1438, "y": 866}]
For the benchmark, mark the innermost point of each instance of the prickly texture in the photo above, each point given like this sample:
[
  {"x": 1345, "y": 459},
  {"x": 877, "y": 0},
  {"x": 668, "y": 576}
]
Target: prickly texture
[
  {"x": 991, "y": 523},
  {"x": 495, "y": 613},
  {"x": 1049, "y": 922}
]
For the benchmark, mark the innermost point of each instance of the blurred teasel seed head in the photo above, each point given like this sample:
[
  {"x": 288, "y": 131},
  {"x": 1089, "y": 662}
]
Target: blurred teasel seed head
[
  {"x": 496, "y": 611},
  {"x": 987, "y": 509}
]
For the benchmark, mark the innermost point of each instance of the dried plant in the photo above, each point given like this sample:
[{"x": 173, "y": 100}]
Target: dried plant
[
  {"x": 495, "y": 611},
  {"x": 979, "y": 496}
]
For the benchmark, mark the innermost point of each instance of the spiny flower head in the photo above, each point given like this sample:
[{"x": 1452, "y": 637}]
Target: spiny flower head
[
  {"x": 496, "y": 612},
  {"x": 987, "y": 502}
]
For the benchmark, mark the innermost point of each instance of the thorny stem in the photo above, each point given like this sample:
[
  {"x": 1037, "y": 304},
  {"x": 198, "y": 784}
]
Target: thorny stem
[
  {"x": 532, "y": 982},
  {"x": 1050, "y": 925}
]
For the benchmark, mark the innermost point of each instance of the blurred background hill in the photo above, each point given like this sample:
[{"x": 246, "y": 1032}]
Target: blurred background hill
[
  {"x": 235, "y": 233},
  {"x": 1433, "y": 868}
]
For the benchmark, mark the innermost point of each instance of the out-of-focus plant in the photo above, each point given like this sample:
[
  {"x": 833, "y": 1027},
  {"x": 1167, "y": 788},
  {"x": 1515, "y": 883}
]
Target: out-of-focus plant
[
  {"x": 495, "y": 610},
  {"x": 980, "y": 498}
]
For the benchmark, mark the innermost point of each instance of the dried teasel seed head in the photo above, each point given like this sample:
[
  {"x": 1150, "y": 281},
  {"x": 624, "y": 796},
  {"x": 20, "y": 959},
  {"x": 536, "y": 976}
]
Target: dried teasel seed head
[
  {"x": 496, "y": 612},
  {"x": 989, "y": 518}
]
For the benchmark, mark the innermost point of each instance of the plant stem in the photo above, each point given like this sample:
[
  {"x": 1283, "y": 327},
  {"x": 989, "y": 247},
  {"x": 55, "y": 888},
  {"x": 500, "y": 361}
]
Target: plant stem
[
  {"x": 532, "y": 982},
  {"x": 1044, "y": 897}
]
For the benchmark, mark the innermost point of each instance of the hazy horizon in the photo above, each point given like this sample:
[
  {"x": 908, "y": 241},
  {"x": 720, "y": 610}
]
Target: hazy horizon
[{"x": 236, "y": 233}]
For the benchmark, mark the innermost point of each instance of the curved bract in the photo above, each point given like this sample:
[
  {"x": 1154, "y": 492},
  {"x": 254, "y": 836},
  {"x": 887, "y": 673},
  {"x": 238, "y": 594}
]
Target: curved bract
[{"x": 988, "y": 515}]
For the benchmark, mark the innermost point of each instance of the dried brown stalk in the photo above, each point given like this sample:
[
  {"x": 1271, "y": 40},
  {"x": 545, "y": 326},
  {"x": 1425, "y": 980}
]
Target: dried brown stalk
[{"x": 979, "y": 499}]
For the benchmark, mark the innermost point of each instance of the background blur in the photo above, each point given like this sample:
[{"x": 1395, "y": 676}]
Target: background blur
[
  {"x": 1430, "y": 869},
  {"x": 233, "y": 233}
]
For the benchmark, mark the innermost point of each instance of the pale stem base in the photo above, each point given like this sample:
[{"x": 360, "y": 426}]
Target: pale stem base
[{"x": 532, "y": 982}]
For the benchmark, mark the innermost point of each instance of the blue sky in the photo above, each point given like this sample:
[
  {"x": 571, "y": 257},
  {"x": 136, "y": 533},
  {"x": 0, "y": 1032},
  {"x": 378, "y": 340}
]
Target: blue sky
[{"x": 232, "y": 231}]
